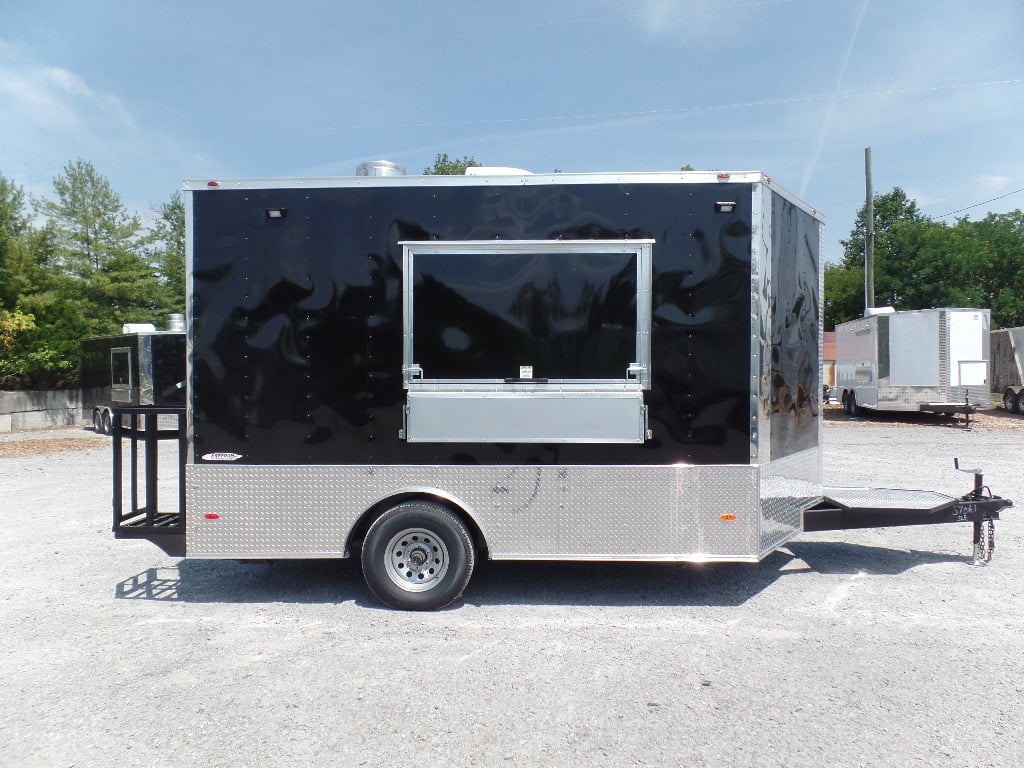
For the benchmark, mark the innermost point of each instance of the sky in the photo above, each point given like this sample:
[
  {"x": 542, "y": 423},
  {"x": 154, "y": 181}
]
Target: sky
[{"x": 152, "y": 92}]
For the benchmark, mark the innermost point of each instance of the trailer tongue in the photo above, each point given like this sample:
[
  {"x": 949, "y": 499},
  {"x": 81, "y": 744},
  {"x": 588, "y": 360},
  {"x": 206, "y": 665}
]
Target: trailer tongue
[{"x": 849, "y": 508}]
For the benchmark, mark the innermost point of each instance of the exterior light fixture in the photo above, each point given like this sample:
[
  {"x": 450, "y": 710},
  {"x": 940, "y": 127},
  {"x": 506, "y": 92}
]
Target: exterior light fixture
[
  {"x": 276, "y": 213},
  {"x": 725, "y": 206}
]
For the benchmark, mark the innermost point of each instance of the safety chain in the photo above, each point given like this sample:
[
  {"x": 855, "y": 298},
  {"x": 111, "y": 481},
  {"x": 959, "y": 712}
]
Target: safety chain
[{"x": 988, "y": 543}]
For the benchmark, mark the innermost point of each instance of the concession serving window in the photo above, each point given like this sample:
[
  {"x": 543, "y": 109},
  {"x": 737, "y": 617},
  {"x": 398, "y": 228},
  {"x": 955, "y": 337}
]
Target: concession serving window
[{"x": 526, "y": 341}]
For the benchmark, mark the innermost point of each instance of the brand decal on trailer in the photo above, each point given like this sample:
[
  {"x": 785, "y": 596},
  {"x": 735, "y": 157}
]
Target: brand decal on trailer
[{"x": 221, "y": 456}]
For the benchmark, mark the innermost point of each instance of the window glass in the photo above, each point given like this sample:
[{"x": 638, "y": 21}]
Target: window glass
[{"x": 497, "y": 315}]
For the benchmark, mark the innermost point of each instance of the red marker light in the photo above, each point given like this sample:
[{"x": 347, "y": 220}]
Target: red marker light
[
  {"x": 212, "y": 516},
  {"x": 213, "y": 183}
]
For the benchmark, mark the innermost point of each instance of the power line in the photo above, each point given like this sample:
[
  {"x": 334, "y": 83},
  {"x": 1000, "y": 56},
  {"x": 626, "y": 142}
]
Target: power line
[
  {"x": 977, "y": 205},
  {"x": 781, "y": 101}
]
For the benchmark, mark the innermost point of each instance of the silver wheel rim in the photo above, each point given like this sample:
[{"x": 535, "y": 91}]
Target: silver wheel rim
[{"x": 416, "y": 559}]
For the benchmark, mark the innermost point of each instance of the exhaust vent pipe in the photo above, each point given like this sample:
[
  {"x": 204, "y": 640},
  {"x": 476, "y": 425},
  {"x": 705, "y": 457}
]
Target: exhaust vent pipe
[
  {"x": 176, "y": 322},
  {"x": 380, "y": 168}
]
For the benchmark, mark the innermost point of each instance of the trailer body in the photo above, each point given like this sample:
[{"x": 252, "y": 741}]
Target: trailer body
[
  {"x": 141, "y": 368},
  {"x": 1008, "y": 367},
  {"x": 416, "y": 370},
  {"x": 586, "y": 367},
  {"x": 923, "y": 360}
]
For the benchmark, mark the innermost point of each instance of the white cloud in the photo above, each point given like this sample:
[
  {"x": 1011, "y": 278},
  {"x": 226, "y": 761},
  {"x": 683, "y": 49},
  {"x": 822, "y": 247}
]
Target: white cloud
[
  {"x": 990, "y": 186},
  {"x": 700, "y": 21},
  {"x": 54, "y": 100},
  {"x": 50, "y": 115}
]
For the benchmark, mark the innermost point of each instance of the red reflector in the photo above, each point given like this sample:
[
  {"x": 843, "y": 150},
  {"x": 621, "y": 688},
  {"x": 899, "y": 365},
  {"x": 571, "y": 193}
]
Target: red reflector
[
  {"x": 213, "y": 183},
  {"x": 212, "y": 516}
]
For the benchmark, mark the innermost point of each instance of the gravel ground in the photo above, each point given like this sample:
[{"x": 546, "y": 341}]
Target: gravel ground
[{"x": 859, "y": 648}]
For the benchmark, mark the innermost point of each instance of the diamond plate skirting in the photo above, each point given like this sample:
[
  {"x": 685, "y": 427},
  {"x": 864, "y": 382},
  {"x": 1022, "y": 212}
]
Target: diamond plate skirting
[
  {"x": 529, "y": 512},
  {"x": 788, "y": 487}
]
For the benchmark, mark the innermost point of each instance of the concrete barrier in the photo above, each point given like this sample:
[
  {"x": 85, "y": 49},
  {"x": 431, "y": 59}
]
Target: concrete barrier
[{"x": 38, "y": 409}]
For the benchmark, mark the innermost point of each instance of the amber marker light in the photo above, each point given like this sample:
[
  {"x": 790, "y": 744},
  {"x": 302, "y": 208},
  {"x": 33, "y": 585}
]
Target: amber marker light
[{"x": 728, "y": 517}]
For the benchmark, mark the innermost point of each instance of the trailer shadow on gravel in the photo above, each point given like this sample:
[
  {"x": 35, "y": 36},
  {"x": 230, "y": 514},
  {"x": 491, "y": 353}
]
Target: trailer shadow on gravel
[
  {"x": 838, "y": 557},
  {"x": 524, "y": 582}
]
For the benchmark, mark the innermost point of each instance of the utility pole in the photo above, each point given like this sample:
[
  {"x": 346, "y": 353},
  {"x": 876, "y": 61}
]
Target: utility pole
[{"x": 869, "y": 236}]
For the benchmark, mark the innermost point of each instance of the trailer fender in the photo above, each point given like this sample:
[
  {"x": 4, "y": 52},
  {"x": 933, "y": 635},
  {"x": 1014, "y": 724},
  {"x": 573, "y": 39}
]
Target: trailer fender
[{"x": 453, "y": 504}]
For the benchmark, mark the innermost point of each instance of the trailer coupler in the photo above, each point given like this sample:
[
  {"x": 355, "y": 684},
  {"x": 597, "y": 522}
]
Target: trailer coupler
[{"x": 984, "y": 541}]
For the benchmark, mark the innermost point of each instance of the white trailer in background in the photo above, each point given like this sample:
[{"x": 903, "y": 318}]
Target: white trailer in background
[
  {"x": 1008, "y": 367},
  {"x": 934, "y": 360}
]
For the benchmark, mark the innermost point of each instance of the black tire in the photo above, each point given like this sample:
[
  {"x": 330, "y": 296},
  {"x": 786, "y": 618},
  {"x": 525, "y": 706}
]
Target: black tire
[
  {"x": 417, "y": 556},
  {"x": 97, "y": 422},
  {"x": 1009, "y": 401},
  {"x": 108, "y": 425},
  {"x": 852, "y": 409},
  {"x": 1018, "y": 402}
]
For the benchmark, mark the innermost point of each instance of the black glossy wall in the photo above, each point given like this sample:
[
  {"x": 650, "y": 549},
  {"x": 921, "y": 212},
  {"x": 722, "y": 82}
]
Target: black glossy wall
[
  {"x": 297, "y": 322},
  {"x": 795, "y": 398}
]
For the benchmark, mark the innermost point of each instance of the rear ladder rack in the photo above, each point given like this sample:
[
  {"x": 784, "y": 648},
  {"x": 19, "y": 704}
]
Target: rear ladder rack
[{"x": 165, "y": 528}]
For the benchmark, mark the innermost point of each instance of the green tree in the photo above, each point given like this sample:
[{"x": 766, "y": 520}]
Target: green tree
[
  {"x": 444, "y": 166},
  {"x": 101, "y": 253},
  {"x": 929, "y": 264},
  {"x": 897, "y": 221},
  {"x": 167, "y": 250},
  {"x": 892, "y": 211},
  {"x": 844, "y": 294},
  {"x": 15, "y": 230},
  {"x": 90, "y": 223},
  {"x": 920, "y": 263},
  {"x": 46, "y": 355},
  {"x": 1003, "y": 276},
  {"x": 127, "y": 289}
]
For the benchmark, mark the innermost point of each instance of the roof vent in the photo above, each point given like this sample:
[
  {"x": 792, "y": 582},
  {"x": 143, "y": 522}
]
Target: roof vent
[{"x": 380, "y": 168}]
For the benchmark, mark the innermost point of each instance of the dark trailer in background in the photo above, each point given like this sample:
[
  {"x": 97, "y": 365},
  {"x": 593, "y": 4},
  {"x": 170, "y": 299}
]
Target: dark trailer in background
[
  {"x": 141, "y": 367},
  {"x": 426, "y": 370}
]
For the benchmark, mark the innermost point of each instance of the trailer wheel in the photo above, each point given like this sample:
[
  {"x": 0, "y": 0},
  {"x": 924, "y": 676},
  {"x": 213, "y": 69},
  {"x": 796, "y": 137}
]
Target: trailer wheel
[
  {"x": 852, "y": 409},
  {"x": 97, "y": 421},
  {"x": 417, "y": 556},
  {"x": 108, "y": 424}
]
